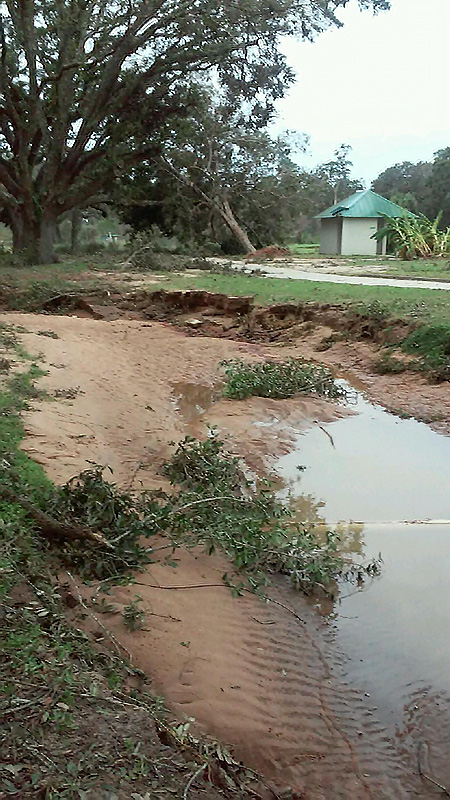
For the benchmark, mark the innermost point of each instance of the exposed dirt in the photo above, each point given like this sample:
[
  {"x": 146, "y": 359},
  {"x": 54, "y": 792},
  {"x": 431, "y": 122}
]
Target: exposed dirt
[
  {"x": 343, "y": 339},
  {"x": 250, "y": 673},
  {"x": 130, "y": 379}
]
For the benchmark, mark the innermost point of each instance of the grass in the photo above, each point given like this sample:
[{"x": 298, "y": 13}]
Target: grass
[
  {"x": 431, "y": 343},
  {"x": 428, "y": 305},
  {"x": 428, "y": 269},
  {"x": 429, "y": 309},
  {"x": 304, "y": 249},
  {"x": 278, "y": 379},
  {"x": 387, "y": 364},
  {"x": 26, "y": 288}
]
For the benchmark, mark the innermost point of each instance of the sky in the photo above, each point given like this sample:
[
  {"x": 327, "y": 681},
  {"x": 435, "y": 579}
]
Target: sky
[{"x": 380, "y": 83}]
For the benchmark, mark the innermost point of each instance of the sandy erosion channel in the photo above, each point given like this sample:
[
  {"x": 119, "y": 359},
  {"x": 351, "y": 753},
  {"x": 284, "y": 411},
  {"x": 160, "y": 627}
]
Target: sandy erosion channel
[{"x": 270, "y": 684}]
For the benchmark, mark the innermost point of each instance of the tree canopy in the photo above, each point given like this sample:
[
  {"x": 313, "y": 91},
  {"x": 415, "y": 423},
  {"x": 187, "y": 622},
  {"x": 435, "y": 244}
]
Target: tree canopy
[
  {"x": 337, "y": 173},
  {"x": 422, "y": 188},
  {"x": 226, "y": 186},
  {"x": 90, "y": 87}
]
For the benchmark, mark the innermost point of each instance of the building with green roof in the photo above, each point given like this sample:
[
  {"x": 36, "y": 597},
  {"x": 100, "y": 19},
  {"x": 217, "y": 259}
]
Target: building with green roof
[{"x": 348, "y": 228}]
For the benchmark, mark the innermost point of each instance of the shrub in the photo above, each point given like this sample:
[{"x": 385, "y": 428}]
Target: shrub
[
  {"x": 416, "y": 236},
  {"x": 279, "y": 379},
  {"x": 432, "y": 344}
]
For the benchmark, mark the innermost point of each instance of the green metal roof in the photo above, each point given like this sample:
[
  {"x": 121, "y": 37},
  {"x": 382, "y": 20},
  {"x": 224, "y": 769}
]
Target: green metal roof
[{"x": 365, "y": 204}]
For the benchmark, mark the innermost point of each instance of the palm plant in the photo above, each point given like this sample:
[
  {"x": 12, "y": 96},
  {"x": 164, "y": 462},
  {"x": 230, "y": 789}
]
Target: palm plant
[{"x": 415, "y": 236}]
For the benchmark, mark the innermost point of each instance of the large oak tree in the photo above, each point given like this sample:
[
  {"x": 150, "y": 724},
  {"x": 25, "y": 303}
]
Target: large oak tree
[{"x": 87, "y": 87}]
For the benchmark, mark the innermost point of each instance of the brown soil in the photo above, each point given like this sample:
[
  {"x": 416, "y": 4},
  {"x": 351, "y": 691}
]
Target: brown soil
[
  {"x": 269, "y": 253},
  {"x": 249, "y": 672},
  {"x": 343, "y": 339}
]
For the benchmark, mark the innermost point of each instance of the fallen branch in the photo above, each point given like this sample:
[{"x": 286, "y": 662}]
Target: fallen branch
[
  {"x": 281, "y": 605},
  {"x": 191, "y": 586},
  {"x": 216, "y": 498},
  {"x": 327, "y": 434},
  {"x": 435, "y": 783},
  {"x": 220, "y": 586},
  {"x": 192, "y": 779},
  {"x": 50, "y": 527},
  {"x": 117, "y": 644}
]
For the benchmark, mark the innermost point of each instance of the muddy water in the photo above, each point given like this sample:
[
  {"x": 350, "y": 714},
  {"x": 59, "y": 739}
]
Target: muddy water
[
  {"x": 384, "y": 483},
  {"x": 388, "y": 481},
  {"x": 191, "y": 402},
  {"x": 371, "y": 467}
]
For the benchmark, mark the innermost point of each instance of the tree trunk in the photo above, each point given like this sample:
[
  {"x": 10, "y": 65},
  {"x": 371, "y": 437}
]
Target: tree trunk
[
  {"x": 230, "y": 220},
  {"x": 25, "y": 235},
  {"x": 47, "y": 232},
  {"x": 75, "y": 231},
  {"x": 34, "y": 239}
]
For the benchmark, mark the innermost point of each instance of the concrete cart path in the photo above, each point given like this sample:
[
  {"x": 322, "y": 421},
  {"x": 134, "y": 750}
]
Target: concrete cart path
[{"x": 356, "y": 280}]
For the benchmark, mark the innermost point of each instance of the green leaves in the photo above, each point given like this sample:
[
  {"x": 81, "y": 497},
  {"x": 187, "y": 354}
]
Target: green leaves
[
  {"x": 279, "y": 379},
  {"x": 124, "y": 521},
  {"x": 416, "y": 236},
  {"x": 218, "y": 508}
]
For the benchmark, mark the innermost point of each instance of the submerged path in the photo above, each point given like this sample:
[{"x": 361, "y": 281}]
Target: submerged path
[{"x": 356, "y": 280}]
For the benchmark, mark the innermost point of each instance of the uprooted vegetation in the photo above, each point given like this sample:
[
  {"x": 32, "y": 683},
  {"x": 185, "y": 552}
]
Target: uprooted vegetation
[
  {"x": 279, "y": 379},
  {"x": 218, "y": 508},
  {"x": 58, "y": 686},
  {"x": 78, "y": 719}
]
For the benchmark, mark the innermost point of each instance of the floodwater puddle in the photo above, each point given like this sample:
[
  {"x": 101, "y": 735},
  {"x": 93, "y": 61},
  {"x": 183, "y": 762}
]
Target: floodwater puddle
[
  {"x": 370, "y": 466},
  {"x": 384, "y": 482},
  {"x": 192, "y": 401}
]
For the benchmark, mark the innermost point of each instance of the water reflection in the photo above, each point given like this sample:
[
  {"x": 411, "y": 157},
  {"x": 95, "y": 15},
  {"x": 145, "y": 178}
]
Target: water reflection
[
  {"x": 386, "y": 473},
  {"x": 370, "y": 467},
  {"x": 192, "y": 402},
  {"x": 397, "y": 630}
]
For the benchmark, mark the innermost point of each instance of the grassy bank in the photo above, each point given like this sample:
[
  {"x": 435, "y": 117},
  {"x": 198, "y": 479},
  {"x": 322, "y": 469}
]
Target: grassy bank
[
  {"x": 27, "y": 288},
  {"x": 31, "y": 284},
  {"x": 429, "y": 305},
  {"x": 428, "y": 308}
]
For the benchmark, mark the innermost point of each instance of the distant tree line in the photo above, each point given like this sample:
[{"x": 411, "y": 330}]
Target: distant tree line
[{"x": 422, "y": 188}]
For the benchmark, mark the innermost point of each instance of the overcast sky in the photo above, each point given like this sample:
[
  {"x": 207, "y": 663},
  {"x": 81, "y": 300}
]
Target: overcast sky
[{"x": 380, "y": 84}]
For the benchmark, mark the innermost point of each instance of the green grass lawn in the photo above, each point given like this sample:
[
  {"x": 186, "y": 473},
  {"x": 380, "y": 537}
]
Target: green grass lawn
[
  {"x": 436, "y": 269},
  {"x": 25, "y": 289},
  {"x": 33, "y": 283},
  {"x": 304, "y": 249},
  {"x": 428, "y": 305}
]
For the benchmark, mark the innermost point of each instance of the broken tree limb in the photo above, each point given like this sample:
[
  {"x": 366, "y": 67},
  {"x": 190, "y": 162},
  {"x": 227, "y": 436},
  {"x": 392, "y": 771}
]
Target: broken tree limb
[{"x": 50, "y": 527}]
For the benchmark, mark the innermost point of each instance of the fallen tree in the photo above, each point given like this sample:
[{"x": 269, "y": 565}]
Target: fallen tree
[{"x": 88, "y": 88}]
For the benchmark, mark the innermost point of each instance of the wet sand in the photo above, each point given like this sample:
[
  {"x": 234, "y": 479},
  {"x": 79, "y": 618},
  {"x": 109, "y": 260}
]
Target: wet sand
[{"x": 278, "y": 692}]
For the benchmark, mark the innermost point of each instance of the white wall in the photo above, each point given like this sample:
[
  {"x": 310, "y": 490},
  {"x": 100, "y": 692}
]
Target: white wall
[
  {"x": 329, "y": 237},
  {"x": 356, "y": 235}
]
